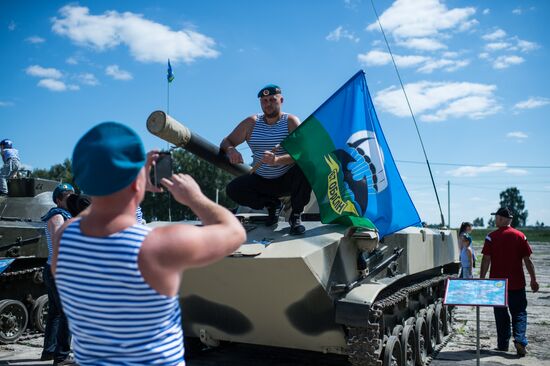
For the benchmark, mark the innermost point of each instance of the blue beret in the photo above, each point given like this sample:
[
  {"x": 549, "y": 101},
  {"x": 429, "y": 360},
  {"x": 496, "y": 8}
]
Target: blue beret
[
  {"x": 269, "y": 89},
  {"x": 63, "y": 187},
  {"x": 107, "y": 159}
]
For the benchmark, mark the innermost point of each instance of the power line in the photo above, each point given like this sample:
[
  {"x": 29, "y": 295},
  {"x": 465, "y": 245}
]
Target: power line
[
  {"x": 410, "y": 110},
  {"x": 478, "y": 165}
]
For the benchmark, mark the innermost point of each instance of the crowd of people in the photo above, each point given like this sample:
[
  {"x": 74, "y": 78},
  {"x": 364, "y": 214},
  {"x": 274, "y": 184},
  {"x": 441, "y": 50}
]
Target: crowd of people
[{"x": 103, "y": 259}]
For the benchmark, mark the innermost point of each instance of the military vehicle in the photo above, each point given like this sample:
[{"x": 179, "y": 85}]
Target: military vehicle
[
  {"x": 23, "y": 253},
  {"x": 332, "y": 290}
]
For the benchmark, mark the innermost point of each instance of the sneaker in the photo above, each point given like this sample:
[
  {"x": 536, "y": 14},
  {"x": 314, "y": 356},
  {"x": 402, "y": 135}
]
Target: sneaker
[
  {"x": 296, "y": 227},
  {"x": 521, "y": 350},
  {"x": 69, "y": 361},
  {"x": 273, "y": 211}
]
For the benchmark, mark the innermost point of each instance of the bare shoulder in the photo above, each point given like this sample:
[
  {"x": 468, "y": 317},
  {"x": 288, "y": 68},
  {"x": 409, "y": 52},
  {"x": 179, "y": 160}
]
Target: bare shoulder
[{"x": 293, "y": 122}]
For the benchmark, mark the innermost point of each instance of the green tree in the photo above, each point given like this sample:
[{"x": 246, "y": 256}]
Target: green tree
[
  {"x": 478, "y": 221},
  {"x": 491, "y": 222},
  {"x": 512, "y": 199},
  {"x": 59, "y": 172}
]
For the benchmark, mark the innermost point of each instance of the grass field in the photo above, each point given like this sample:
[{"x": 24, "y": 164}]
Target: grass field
[{"x": 533, "y": 234}]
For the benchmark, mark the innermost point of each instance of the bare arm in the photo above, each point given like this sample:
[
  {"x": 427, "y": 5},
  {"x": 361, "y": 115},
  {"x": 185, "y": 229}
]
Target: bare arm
[
  {"x": 237, "y": 137},
  {"x": 531, "y": 269},
  {"x": 169, "y": 250},
  {"x": 485, "y": 264},
  {"x": 470, "y": 260}
]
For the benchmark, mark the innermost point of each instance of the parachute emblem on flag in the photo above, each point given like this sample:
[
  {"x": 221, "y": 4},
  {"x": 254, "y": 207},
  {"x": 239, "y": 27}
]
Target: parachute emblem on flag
[{"x": 363, "y": 167}]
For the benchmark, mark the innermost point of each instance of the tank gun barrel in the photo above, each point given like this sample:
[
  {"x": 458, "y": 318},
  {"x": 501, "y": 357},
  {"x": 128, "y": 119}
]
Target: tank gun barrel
[{"x": 167, "y": 128}]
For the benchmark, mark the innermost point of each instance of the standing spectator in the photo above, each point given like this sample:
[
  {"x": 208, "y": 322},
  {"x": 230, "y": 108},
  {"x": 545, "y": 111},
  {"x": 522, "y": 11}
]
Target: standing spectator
[
  {"x": 123, "y": 308},
  {"x": 466, "y": 228},
  {"x": 10, "y": 157},
  {"x": 505, "y": 251},
  {"x": 57, "y": 338},
  {"x": 466, "y": 257}
]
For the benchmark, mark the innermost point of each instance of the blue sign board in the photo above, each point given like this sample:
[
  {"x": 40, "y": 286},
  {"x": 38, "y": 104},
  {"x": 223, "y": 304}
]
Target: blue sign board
[
  {"x": 476, "y": 292},
  {"x": 5, "y": 263}
]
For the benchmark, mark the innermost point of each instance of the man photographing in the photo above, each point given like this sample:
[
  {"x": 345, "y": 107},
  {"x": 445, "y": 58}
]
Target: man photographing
[{"x": 119, "y": 280}]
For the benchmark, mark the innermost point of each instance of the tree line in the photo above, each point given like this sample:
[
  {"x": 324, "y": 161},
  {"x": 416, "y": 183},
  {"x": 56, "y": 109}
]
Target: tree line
[{"x": 162, "y": 206}]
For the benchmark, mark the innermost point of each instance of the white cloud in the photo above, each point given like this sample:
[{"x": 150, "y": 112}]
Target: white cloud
[
  {"x": 379, "y": 58},
  {"x": 425, "y": 64},
  {"x": 35, "y": 40},
  {"x": 526, "y": 46},
  {"x": 473, "y": 171},
  {"x": 517, "y": 11},
  {"x": 445, "y": 64},
  {"x": 483, "y": 55},
  {"x": 493, "y": 36},
  {"x": 12, "y": 26},
  {"x": 71, "y": 61},
  {"x": 340, "y": 33},
  {"x": 117, "y": 73},
  {"x": 430, "y": 19},
  {"x": 351, "y": 4},
  {"x": 450, "y": 54},
  {"x": 42, "y": 72},
  {"x": 533, "y": 102},
  {"x": 6, "y": 104},
  {"x": 423, "y": 44},
  {"x": 88, "y": 79},
  {"x": 56, "y": 85},
  {"x": 148, "y": 41},
  {"x": 497, "y": 46},
  {"x": 438, "y": 101},
  {"x": 503, "y": 62},
  {"x": 517, "y": 135},
  {"x": 486, "y": 11}
]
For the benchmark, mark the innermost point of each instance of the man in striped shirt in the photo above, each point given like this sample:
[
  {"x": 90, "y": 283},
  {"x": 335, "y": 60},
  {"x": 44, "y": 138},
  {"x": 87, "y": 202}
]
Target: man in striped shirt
[
  {"x": 119, "y": 280},
  {"x": 275, "y": 173}
]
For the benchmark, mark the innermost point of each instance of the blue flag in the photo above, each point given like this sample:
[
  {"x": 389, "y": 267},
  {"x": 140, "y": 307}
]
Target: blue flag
[
  {"x": 170, "y": 76},
  {"x": 343, "y": 153}
]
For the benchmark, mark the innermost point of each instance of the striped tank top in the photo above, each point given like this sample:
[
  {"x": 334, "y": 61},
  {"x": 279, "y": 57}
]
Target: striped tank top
[
  {"x": 115, "y": 317},
  {"x": 264, "y": 137},
  {"x": 55, "y": 211}
]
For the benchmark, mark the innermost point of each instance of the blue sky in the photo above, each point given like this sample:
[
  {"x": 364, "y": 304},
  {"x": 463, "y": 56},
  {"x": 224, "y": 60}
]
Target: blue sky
[{"x": 476, "y": 73}]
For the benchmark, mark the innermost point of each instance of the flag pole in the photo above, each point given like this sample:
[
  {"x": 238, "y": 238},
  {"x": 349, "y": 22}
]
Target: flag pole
[{"x": 167, "y": 143}]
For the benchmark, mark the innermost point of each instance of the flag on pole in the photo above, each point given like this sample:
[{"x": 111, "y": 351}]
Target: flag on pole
[
  {"x": 170, "y": 76},
  {"x": 343, "y": 153}
]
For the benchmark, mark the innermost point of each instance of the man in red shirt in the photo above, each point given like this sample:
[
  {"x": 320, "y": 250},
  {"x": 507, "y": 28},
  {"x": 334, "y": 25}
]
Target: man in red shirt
[{"x": 505, "y": 250}]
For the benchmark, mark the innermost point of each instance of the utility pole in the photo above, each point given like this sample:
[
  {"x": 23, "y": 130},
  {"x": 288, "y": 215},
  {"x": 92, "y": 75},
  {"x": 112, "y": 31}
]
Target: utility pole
[{"x": 449, "y": 204}]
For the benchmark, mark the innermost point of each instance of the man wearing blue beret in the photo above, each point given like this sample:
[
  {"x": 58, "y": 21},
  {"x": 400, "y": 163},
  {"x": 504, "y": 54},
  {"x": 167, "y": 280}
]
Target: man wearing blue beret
[
  {"x": 119, "y": 280},
  {"x": 57, "y": 338},
  {"x": 275, "y": 173}
]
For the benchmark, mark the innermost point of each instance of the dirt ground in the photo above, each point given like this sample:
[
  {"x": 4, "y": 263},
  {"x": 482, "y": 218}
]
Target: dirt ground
[{"x": 460, "y": 350}]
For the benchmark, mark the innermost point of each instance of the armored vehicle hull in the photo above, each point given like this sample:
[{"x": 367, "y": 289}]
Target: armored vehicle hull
[
  {"x": 23, "y": 253},
  {"x": 332, "y": 290}
]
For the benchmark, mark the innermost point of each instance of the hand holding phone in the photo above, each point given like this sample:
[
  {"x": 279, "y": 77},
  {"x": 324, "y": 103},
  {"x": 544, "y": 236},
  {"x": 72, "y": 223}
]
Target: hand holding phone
[{"x": 162, "y": 168}]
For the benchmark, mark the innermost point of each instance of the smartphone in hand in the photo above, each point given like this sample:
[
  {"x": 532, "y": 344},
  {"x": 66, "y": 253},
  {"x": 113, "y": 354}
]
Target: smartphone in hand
[{"x": 162, "y": 168}]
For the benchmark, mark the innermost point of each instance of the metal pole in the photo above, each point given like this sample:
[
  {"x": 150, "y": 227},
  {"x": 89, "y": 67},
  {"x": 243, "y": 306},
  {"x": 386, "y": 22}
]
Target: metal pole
[
  {"x": 449, "y": 204},
  {"x": 477, "y": 325},
  {"x": 217, "y": 195}
]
